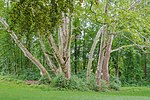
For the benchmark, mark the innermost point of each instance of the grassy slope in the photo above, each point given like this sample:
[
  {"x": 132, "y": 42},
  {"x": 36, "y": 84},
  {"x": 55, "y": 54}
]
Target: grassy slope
[{"x": 13, "y": 91}]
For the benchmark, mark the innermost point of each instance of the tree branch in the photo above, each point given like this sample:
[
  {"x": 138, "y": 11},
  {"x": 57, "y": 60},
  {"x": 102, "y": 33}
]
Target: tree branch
[
  {"x": 56, "y": 50},
  {"x": 132, "y": 45},
  {"x": 122, "y": 47},
  {"x": 24, "y": 50},
  {"x": 50, "y": 64}
]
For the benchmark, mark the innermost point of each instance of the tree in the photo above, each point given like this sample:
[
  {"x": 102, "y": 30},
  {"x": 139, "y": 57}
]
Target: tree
[
  {"x": 54, "y": 24},
  {"x": 114, "y": 19},
  {"x": 27, "y": 15}
]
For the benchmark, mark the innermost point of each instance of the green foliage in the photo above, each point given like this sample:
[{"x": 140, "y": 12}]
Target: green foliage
[
  {"x": 75, "y": 83},
  {"x": 115, "y": 83},
  {"x": 11, "y": 79},
  {"x": 44, "y": 80},
  {"x": 38, "y": 15},
  {"x": 92, "y": 83},
  {"x": 60, "y": 81},
  {"x": 26, "y": 17},
  {"x": 1, "y": 7},
  {"x": 28, "y": 74},
  {"x": 78, "y": 84},
  {"x": 104, "y": 86}
]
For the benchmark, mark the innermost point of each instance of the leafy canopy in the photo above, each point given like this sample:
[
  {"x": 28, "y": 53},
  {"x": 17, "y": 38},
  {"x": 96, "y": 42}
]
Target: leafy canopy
[{"x": 41, "y": 15}]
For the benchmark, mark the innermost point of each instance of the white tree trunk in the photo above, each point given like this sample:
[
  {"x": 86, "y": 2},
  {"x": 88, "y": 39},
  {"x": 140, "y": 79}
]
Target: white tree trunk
[
  {"x": 92, "y": 52},
  {"x": 62, "y": 52},
  {"x": 101, "y": 56}
]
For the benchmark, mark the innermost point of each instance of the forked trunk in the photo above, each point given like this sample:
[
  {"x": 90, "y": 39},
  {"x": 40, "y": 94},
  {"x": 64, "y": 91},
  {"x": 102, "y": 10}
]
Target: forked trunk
[
  {"x": 62, "y": 51},
  {"x": 92, "y": 52},
  {"x": 101, "y": 56}
]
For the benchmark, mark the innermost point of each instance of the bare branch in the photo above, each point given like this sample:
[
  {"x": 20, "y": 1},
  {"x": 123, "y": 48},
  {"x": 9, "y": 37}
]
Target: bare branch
[
  {"x": 56, "y": 50},
  {"x": 50, "y": 63},
  {"x": 4, "y": 22},
  {"x": 122, "y": 47},
  {"x": 132, "y": 45}
]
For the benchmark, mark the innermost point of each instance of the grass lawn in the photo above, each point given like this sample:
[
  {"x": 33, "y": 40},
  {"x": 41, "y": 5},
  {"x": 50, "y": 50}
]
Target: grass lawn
[{"x": 13, "y": 91}]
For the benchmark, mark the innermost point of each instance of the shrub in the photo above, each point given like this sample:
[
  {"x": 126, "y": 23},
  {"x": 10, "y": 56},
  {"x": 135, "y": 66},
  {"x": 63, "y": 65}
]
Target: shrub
[
  {"x": 74, "y": 83},
  {"x": 60, "y": 81},
  {"x": 28, "y": 74},
  {"x": 115, "y": 83},
  {"x": 77, "y": 83},
  {"x": 104, "y": 86},
  {"x": 92, "y": 83},
  {"x": 44, "y": 80}
]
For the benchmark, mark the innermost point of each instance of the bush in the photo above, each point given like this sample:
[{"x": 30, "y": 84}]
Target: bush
[
  {"x": 44, "y": 80},
  {"x": 74, "y": 83},
  {"x": 115, "y": 83},
  {"x": 78, "y": 84},
  {"x": 28, "y": 74},
  {"x": 60, "y": 81},
  {"x": 92, "y": 83},
  {"x": 104, "y": 86}
]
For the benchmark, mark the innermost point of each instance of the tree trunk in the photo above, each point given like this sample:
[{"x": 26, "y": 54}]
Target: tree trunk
[
  {"x": 84, "y": 53},
  {"x": 101, "y": 56},
  {"x": 92, "y": 52},
  {"x": 62, "y": 52},
  {"x": 67, "y": 31},
  {"x": 105, "y": 70},
  {"x": 30, "y": 56},
  {"x": 67, "y": 65}
]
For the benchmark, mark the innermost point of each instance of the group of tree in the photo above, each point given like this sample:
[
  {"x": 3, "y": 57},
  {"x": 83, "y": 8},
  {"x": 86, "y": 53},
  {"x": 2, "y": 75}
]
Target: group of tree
[{"x": 49, "y": 37}]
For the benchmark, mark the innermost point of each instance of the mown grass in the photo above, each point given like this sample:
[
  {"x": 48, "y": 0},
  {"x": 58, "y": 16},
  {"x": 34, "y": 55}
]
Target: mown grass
[{"x": 20, "y": 91}]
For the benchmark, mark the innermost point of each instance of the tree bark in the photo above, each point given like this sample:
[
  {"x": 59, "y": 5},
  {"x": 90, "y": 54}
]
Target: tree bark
[
  {"x": 101, "y": 56},
  {"x": 67, "y": 31},
  {"x": 62, "y": 52},
  {"x": 92, "y": 52},
  {"x": 56, "y": 50},
  {"x": 105, "y": 70},
  {"x": 49, "y": 61}
]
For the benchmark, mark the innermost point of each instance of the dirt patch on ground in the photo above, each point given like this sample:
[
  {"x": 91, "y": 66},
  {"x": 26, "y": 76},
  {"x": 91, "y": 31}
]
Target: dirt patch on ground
[{"x": 31, "y": 82}]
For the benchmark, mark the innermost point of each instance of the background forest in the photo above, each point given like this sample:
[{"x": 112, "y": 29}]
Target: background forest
[{"x": 73, "y": 41}]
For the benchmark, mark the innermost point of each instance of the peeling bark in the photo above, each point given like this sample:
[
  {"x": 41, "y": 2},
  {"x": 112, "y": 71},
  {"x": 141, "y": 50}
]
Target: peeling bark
[
  {"x": 101, "y": 56},
  {"x": 56, "y": 50},
  {"x": 92, "y": 52},
  {"x": 105, "y": 70},
  {"x": 66, "y": 42},
  {"x": 62, "y": 52}
]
